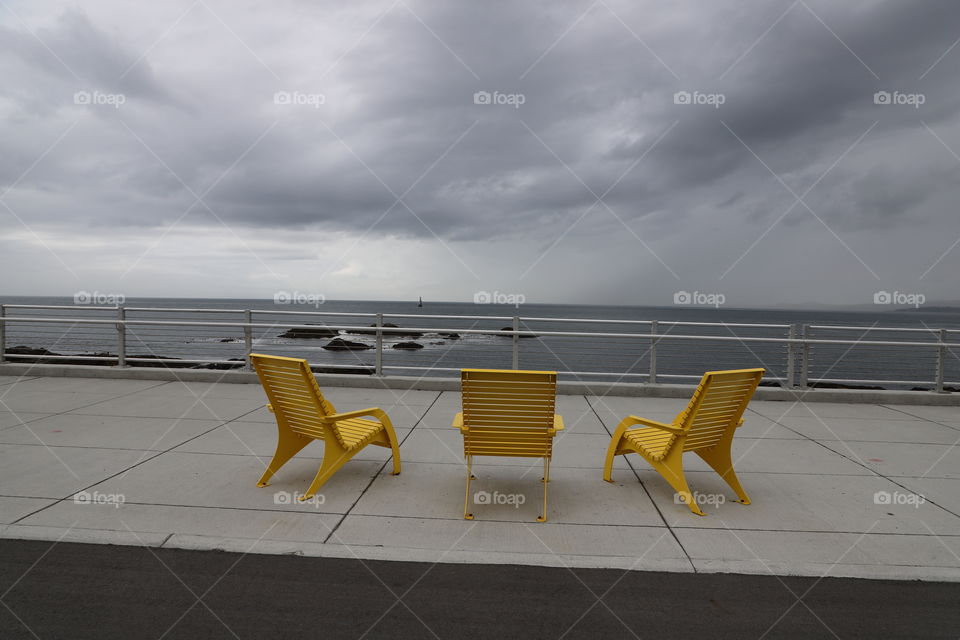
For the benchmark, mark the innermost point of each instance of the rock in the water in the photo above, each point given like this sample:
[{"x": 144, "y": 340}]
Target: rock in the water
[
  {"x": 387, "y": 325},
  {"x": 407, "y": 345},
  {"x": 450, "y": 336},
  {"x": 303, "y": 333},
  {"x": 339, "y": 344}
]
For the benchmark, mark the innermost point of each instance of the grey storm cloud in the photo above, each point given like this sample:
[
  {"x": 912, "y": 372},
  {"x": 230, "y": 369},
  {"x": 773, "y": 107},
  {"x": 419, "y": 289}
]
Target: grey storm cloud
[{"x": 397, "y": 147}]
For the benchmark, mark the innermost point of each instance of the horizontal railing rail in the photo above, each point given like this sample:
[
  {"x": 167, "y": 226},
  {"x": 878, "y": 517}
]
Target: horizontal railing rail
[{"x": 797, "y": 365}]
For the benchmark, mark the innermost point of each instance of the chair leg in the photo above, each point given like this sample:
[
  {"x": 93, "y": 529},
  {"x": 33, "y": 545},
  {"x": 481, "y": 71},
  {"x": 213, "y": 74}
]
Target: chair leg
[
  {"x": 546, "y": 481},
  {"x": 672, "y": 472},
  {"x": 721, "y": 461},
  {"x": 466, "y": 497},
  {"x": 333, "y": 459},
  {"x": 394, "y": 446},
  {"x": 614, "y": 445},
  {"x": 288, "y": 445}
]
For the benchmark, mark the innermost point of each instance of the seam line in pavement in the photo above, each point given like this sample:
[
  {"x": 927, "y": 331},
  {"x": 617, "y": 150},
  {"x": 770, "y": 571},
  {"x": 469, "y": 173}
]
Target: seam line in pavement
[
  {"x": 383, "y": 466},
  {"x": 645, "y": 490},
  {"x": 860, "y": 464},
  {"x": 122, "y": 471},
  {"x": 937, "y": 422}
]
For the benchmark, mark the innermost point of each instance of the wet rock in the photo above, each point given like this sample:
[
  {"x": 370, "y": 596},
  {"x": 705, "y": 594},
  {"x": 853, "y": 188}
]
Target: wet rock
[{"x": 339, "y": 344}]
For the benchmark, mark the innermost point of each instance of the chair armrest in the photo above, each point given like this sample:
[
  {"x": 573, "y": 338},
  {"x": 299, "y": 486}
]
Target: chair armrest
[
  {"x": 458, "y": 422},
  {"x": 557, "y": 423},
  {"x": 270, "y": 407},
  {"x": 376, "y": 412},
  {"x": 647, "y": 422},
  {"x": 740, "y": 424}
]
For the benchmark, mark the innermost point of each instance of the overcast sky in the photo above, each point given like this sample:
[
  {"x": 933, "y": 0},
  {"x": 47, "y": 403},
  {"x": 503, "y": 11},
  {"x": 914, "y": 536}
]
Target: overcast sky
[{"x": 584, "y": 152}]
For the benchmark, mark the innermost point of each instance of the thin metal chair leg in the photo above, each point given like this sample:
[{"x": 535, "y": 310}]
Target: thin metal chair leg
[
  {"x": 546, "y": 481},
  {"x": 466, "y": 497}
]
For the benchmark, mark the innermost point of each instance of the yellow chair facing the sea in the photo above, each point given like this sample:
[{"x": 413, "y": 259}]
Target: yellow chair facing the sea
[
  {"x": 304, "y": 415},
  {"x": 706, "y": 426},
  {"x": 508, "y": 413}
]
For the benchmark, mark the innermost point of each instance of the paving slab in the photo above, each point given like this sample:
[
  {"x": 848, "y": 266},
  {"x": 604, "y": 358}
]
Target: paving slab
[
  {"x": 55, "y": 472},
  {"x": 46, "y": 402},
  {"x": 902, "y": 459},
  {"x": 796, "y": 502},
  {"x": 14, "y": 508},
  {"x": 928, "y": 412},
  {"x": 204, "y": 480},
  {"x": 192, "y": 408},
  {"x": 10, "y": 419},
  {"x": 84, "y": 385},
  {"x": 777, "y": 410},
  {"x": 298, "y": 524},
  {"x": 879, "y": 430},
  {"x": 107, "y": 432}
]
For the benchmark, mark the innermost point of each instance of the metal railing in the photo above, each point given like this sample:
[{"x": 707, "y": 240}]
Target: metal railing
[{"x": 654, "y": 351}]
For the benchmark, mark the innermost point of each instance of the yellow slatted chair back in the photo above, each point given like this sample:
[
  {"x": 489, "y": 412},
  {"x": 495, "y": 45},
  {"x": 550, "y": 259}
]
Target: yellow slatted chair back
[
  {"x": 304, "y": 415},
  {"x": 293, "y": 392},
  {"x": 717, "y": 406},
  {"x": 508, "y": 413}
]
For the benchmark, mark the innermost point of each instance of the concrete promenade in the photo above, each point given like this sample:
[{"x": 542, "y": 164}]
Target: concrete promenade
[{"x": 855, "y": 490}]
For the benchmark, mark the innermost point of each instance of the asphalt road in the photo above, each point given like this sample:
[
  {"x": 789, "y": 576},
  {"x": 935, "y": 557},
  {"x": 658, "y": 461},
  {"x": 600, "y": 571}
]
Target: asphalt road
[{"x": 97, "y": 591}]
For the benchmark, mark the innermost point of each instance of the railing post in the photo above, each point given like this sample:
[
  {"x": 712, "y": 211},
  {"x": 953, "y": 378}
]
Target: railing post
[
  {"x": 791, "y": 356},
  {"x": 805, "y": 358},
  {"x": 378, "y": 369},
  {"x": 121, "y": 337},
  {"x": 516, "y": 342},
  {"x": 248, "y": 337},
  {"x": 653, "y": 353},
  {"x": 3, "y": 335},
  {"x": 941, "y": 360}
]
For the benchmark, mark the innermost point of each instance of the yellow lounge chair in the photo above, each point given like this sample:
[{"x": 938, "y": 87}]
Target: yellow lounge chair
[
  {"x": 706, "y": 426},
  {"x": 508, "y": 413},
  {"x": 304, "y": 415}
]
